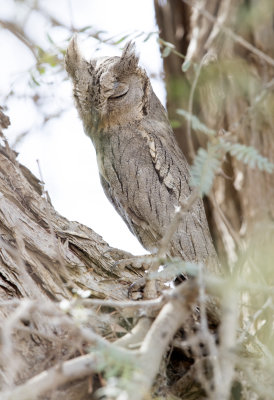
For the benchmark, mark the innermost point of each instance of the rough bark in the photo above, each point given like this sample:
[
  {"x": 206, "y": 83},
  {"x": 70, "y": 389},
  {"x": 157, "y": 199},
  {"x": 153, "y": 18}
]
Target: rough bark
[
  {"x": 234, "y": 42},
  {"x": 44, "y": 257}
]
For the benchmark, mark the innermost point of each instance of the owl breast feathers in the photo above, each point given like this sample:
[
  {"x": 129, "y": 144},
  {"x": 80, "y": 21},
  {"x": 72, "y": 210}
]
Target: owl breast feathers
[{"x": 143, "y": 171}]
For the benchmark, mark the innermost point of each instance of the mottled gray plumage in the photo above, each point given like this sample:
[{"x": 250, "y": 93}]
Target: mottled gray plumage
[{"x": 143, "y": 172}]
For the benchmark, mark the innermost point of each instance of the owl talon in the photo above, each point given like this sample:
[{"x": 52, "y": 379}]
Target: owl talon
[
  {"x": 126, "y": 262},
  {"x": 136, "y": 286},
  {"x": 137, "y": 262}
]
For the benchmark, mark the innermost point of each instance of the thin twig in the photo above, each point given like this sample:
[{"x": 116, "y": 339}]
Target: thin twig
[
  {"x": 172, "y": 316},
  {"x": 150, "y": 290},
  {"x": 54, "y": 377},
  {"x": 228, "y": 336},
  {"x": 258, "y": 99},
  {"x": 237, "y": 38},
  {"x": 136, "y": 335},
  {"x": 222, "y": 16},
  {"x": 17, "y": 32},
  {"x": 146, "y": 361},
  {"x": 251, "y": 322},
  {"x": 185, "y": 206},
  {"x": 190, "y": 109},
  {"x": 206, "y": 336},
  {"x": 154, "y": 303}
]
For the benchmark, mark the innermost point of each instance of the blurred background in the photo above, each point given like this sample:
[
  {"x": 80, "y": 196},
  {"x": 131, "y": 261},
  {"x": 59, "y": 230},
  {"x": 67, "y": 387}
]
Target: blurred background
[{"x": 38, "y": 96}]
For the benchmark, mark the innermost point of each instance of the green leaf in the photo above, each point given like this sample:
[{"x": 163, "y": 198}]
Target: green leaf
[
  {"x": 34, "y": 80},
  {"x": 204, "y": 168},
  {"x": 149, "y": 36},
  {"x": 50, "y": 59},
  {"x": 166, "y": 44},
  {"x": 41, "y": 70},
  {"x": 138, "y": 34},
  {"x": 166, "y": 52},
  {"x": 50, "y": 39},
  {"x": 186, "y": 65},
  {"x": 248, "y": 155},
  {"x": 175, "y": 123},
  {"x": 85, "y": 28},
  {"x": 121, "y": 39},
  {"x": 196, "y": 124},
  {"x": 174, "y": 268}
]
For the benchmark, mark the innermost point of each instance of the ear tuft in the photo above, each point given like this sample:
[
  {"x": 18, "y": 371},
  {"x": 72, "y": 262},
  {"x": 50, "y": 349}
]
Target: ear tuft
[
  {"x": 73, "y": 57},
  {"x": 129, "y": 49},
  {"x": 129, "y": 59}
]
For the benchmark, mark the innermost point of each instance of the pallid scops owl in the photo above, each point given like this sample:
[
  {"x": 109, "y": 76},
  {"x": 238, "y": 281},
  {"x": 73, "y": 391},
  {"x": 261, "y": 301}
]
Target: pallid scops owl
[{"x": 142, "y": 169}]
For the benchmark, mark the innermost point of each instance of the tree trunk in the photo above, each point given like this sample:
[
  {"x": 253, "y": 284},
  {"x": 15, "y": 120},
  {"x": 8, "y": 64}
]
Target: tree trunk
[{"x": 232, "y": 41}]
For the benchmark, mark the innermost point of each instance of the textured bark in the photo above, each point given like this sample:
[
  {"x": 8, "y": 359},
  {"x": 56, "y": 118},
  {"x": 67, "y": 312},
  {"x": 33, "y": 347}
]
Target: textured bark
[
  {"x": 173, "y": 19},
  {"x": 43, "y": 257},
  {"x": 234, "y": 92}
]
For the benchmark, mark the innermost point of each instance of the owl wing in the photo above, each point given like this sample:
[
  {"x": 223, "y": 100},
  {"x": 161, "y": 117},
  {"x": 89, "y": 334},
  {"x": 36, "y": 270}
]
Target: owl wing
[
  {"x": 171, "y": 179},
  {"x": 142, "y": 180},
  {"x": 145, "y": 176}
]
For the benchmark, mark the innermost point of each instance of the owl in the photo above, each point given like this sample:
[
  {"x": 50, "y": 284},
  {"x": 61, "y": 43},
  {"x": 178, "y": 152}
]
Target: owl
[{"x": 143, "y": 172}]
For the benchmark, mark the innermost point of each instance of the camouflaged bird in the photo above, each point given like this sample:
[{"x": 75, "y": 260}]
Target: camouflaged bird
[{"x": 142, "y": 169}]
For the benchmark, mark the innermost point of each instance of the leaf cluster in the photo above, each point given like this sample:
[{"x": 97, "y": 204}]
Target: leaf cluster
[{"x": 207, "y": 162}]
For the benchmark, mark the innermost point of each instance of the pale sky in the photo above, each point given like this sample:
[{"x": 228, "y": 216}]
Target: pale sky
[{"x": 66, "y": 155}]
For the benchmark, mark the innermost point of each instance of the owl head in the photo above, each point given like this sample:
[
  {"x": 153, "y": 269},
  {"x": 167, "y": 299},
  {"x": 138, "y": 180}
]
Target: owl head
[{"x": 108, "y": 90}]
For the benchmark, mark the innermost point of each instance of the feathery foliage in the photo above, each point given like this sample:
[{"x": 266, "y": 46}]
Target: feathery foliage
[
  {"x": 207, "y": 162},
  {"x": 196, "y": 124},
  {"x": 204, "y": 168},
  {"x": 248, "y": 155}
]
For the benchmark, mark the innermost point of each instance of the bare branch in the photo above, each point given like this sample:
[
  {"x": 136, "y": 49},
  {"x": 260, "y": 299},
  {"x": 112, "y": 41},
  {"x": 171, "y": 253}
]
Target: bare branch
[
  {"x": 17, "y": 32},
  {"x": 234, "y": 36},
  {"x": 54, "y": 377},
  {"x": 140, "y": 304},
  {"x": 171, "y": 229}
]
